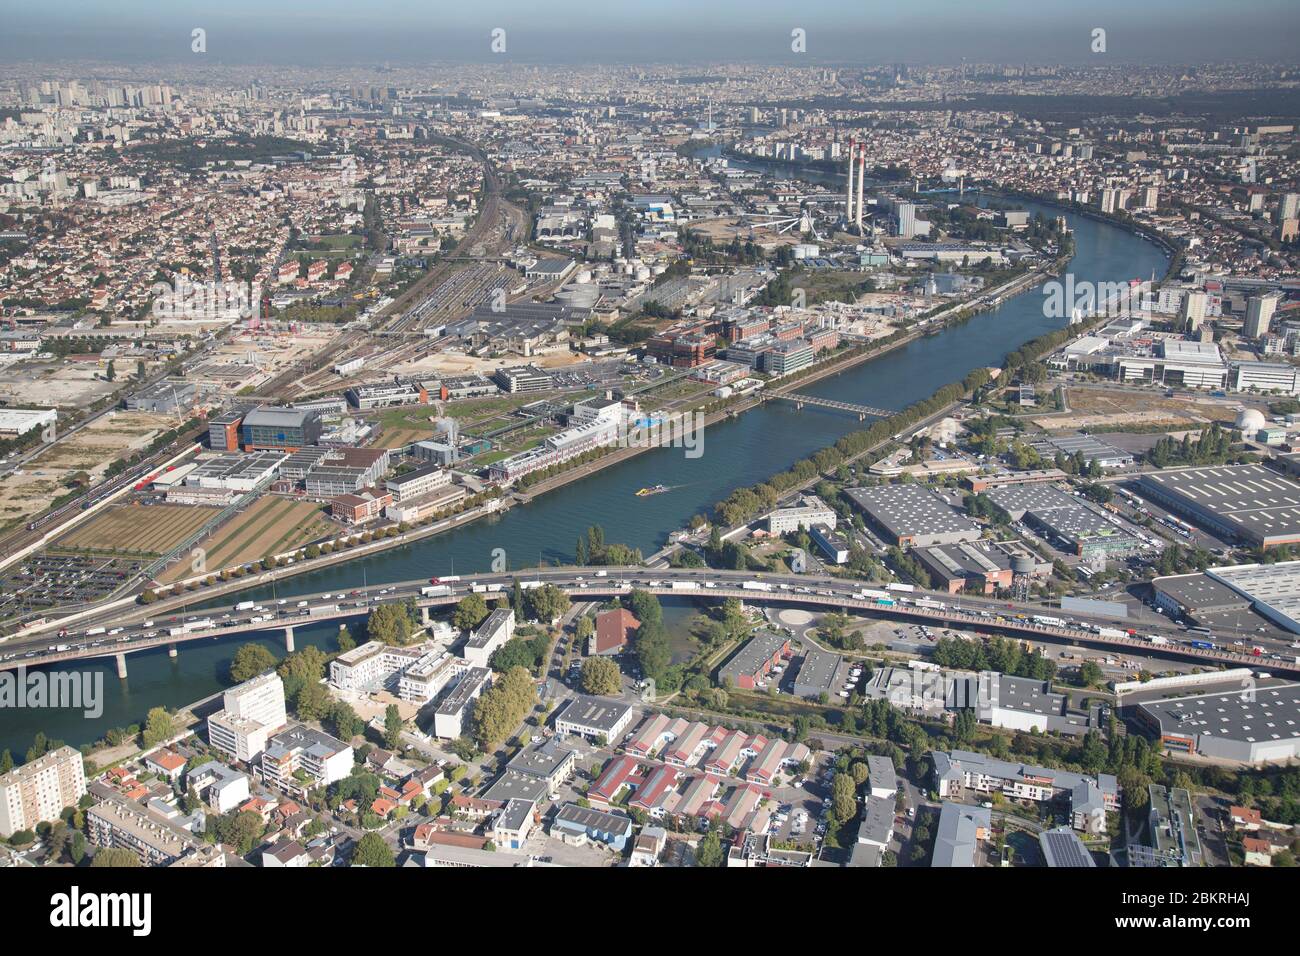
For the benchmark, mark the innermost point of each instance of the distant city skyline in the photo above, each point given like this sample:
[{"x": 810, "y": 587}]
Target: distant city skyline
[{"x": 328, "y": 32}]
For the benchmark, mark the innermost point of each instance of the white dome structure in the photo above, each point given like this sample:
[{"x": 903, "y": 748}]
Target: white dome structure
[{"x": 1250, "y": 420}]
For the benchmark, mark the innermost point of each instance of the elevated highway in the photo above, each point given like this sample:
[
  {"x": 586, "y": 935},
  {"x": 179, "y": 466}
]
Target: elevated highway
[{"x": 135, "y": 630}]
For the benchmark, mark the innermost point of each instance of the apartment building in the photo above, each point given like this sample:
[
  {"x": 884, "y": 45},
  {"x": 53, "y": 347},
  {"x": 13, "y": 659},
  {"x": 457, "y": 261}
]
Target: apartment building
[
  {"x": 419, "y": 482},
  {"x": 38, "y": 791},
  {"x": 251, "y": 713},
  {"x": 422, "y": 681},
  {"x": 451, "y": 718},
  {"x": 322, "y": 758},
  {"x": 116, "y": 825},
  {"x": 810, "y": 511},
  {"x": 372, "y": 666},
  {"x": 1089, "y": 797},
  {"x": 498, "y": 628}
]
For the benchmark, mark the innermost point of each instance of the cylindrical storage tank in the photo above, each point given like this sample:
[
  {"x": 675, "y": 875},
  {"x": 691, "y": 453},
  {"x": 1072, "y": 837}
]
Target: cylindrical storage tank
[{"x": 1021, "y": 564}]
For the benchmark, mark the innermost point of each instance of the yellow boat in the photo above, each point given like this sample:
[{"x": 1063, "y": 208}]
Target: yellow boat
[{"x": 646, "y": 492}]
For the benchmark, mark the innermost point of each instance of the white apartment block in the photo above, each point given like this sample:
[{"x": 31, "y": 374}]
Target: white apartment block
[
  {"x": 38, "y": 791},
  {"x": 810, "y": 511},
  {"x": 112, "y": 824},
  {"x": 491, "y": 634},
  {"x": 451, "y": 718},
  {"x": 421, "y": 682},
  {"x": 419, "y": 482},
  {"x": 252, "y": 712},
  {"x": 373, "y": 666}
]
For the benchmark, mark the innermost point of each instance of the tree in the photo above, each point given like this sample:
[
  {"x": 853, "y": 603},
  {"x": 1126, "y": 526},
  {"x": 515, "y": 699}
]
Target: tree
[
  {"x": 1090, "y": 674},
  {"x": 6, "y": 761},
  {"x": 844, "y": 798},
  {"x": 158, "y": 727},
  {"x": 585, "y": 628},
  {"x": 250, "y": 660},
  {"x": 548, "y": 603},
  {"x": 312, "y": 702},
  {"x": 345, "y": 639},
  {"x": 393, "y": 724},
  {"x": 111, "y": 856},
  {"x": 502, "y": 708},
  {"x": 347, "y": 724},
  {"x": 241, "y": 830},
  {"x": 373, "y": 852},
  {"x": 307, "y": 665},
  {"x": 600, "y": 676},
  {"x": 470, "y": 612},
  {"x": 709, "y": 852},
  {"x": 653, "y": 653},
  {"x": 389, "y": 624}
]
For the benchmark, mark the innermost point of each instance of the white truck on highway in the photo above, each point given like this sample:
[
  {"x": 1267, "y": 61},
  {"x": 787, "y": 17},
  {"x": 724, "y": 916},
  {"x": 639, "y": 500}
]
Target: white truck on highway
[
  {"x": 685, "y": 586},
  {"x": 756, "y": 585}
]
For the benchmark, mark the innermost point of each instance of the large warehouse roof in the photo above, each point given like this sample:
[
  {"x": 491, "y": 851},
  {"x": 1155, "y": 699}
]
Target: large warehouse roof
[
  {"x": 1273, "y": 588},
  {"x": 1251, "y": 501},
  {"x": 1249, "y": 715},
  {"x": 911, "y": 511}
]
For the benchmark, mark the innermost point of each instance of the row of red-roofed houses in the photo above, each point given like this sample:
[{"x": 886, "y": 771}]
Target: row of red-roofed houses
[
  {"x": 693, "y": 775},
  {"x": 1261, "y": 839},
  {"x": 714, "y": 750},
  {"x": 662, "y": 791}
]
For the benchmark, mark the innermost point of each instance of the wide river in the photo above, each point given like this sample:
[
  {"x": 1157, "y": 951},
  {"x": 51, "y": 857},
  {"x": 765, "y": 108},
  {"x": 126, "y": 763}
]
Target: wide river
[{"x": 736, "y": 452}]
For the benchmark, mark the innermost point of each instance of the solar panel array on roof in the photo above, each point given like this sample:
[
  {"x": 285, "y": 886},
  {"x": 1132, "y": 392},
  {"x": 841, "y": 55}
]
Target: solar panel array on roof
[{"x": 1062, "y": 847}]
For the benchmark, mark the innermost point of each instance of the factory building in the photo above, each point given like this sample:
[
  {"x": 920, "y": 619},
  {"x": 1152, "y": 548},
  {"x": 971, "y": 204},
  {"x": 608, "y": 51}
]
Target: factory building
[
  {"x": 913, "y": 515},
  {"x": 1252, "y": 725},
  {"x": 279, "y": 429},
  {"x": 1247, "y": 503}
]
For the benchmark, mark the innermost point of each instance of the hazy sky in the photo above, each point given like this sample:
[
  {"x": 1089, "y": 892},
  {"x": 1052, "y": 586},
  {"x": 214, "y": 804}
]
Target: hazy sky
[{"x": 845, "y": 31}]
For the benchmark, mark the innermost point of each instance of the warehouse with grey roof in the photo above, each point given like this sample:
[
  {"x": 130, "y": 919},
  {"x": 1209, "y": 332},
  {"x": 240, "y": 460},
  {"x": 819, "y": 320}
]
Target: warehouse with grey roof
[
  {"x": 1248, "y": 503},
  {"x": 913, "y": 515},
  {"x": 1253, "y": 724}
]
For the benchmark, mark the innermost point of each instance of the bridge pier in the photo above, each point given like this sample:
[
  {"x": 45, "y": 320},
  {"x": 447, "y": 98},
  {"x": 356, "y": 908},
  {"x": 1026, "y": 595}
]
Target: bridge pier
[
  {"x": 171, "y": 650},
  {"x": 121, "y": 666},
  {"x": 288, "y": 639},
  {"x": 424, "y": 616}
]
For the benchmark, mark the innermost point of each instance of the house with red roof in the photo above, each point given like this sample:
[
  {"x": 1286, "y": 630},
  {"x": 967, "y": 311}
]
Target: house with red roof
[
  {"x": 614, "y": 630},
  {"x": 619, "y": 773},
  {"x": 165, "y": 763}
]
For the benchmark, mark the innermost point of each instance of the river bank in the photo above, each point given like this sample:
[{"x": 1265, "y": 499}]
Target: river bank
[{"x": 741, "y": 451}]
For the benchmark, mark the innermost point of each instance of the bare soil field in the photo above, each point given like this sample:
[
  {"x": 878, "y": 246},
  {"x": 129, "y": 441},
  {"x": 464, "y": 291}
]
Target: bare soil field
[
  {"x": 137, "y": 529},
  {"x": 92, "y": 450},
  {"x": 270, "y": 526},
  {"x": 1096, "y": 408}
]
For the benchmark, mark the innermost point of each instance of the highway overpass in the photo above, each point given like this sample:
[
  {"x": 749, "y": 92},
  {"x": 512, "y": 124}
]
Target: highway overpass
[{"x": 136, "y": 630}]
